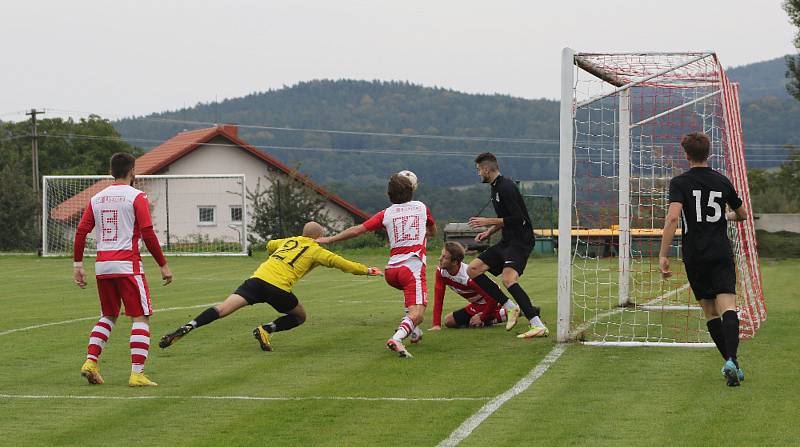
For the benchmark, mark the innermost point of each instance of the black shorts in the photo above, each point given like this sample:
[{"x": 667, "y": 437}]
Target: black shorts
[
  {"x": 709, "y": 279},
  {"x": 502, "y": 255},
  {"x": 462, "y": 316},
  {"x": 256, "y": 290}
]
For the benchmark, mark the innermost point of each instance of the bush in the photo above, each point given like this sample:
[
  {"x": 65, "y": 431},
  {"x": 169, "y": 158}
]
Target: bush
[{"x": 781, "y": 244}]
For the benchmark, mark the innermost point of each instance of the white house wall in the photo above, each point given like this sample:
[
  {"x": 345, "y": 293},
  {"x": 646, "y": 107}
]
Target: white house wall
[{"x": 216, "y": 157}]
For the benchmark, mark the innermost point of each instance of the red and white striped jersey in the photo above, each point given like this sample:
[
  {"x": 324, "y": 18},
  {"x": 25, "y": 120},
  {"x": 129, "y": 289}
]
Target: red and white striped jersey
[
  {"x": 406, "y": 225},
  {"x": 461, "y": 284},
  {"x": 118, "y": 214}
]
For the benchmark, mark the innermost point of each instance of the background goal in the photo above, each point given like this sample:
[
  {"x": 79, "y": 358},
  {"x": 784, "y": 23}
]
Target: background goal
[
  {"x": 622, "y": 119},
  {"x": 192, "y": 214}
]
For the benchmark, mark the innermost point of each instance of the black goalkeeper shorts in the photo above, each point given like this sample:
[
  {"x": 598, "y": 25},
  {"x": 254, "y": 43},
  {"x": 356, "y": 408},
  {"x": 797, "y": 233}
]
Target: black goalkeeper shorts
[
  {"x": 709, "y": 279},
  {"x": 256, "y": 290}
]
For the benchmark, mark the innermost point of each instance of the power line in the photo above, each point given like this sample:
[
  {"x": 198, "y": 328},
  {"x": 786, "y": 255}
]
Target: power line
[{"x": 390, "y": 151}]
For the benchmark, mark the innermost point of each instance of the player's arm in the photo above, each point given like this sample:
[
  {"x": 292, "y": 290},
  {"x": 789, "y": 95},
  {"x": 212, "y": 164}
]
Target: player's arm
[
  {"x": 330, "y": 259},
  {"x": 430, "y": 224},
  {"x": 735, "y": 203},
  {"x": 141, "y": 207},
  {"x": 374, "y": 223},
  {"x": 84, "y": 227},
  {"x": 670, "y": 225},
  {"x": 438, "y": 302}
]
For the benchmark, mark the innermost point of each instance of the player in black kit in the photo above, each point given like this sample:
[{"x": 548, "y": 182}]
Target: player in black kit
[
  {"x": 698, "y": 196},
  {"x": 509, "y": 256}
]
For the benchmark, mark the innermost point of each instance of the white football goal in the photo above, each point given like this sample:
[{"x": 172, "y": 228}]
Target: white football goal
[
  {"x": 192, "y": 214},
  {"x": 622, "y": 119}
]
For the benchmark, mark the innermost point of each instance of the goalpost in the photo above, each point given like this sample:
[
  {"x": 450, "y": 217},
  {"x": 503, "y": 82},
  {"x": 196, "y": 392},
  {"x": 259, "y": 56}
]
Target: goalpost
[
  {"x": 622, "y": 119},
  {"x": 192, "y": 214}
]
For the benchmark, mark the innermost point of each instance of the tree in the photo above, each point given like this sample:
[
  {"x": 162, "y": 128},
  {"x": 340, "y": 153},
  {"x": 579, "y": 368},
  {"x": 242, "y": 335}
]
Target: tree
[
  {"x": 282, "y": 208},
  {"x": 792, "y": 8},
  {"x": 65, "y": 147},
  {"x": 18, "y": 208}
]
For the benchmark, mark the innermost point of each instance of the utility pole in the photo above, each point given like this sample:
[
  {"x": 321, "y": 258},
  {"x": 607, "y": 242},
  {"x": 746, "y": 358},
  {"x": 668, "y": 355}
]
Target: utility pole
[
  {"x": 35, "y": 168},
  {"x": 34, "y": 149}
]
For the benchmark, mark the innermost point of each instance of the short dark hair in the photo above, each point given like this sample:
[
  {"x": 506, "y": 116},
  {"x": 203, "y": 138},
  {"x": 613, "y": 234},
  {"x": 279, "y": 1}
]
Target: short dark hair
[
  {"x": 455, "y": 250},
  {"x": 487, "y": 159},
  {"x": 400, "y": 189},
  {"x": 122, "y": 164},
  {"x": 696, "y": 145}
]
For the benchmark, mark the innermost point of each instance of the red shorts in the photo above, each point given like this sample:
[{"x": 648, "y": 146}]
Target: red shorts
[
  {"x": 129, "y": 290},
  {"x": 410, "y": 278}
]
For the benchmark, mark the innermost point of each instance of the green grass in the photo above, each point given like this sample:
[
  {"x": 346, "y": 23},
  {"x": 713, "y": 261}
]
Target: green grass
[{"x": 591, "y": 396}]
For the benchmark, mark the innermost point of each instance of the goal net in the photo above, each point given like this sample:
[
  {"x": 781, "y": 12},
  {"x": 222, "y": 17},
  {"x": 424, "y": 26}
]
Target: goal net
[
  {"x": 192, "y": 214},
  {"x": 622, "y": 119}
]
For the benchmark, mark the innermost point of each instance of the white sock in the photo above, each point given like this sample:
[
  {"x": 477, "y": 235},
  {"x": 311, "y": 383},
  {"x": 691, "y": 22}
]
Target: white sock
[
  {"x": 417, "y": 332},
  {"x": 405, "y": 328},
  {"x": 535, "y": 321},
  {"x": 509, "y": 306}
]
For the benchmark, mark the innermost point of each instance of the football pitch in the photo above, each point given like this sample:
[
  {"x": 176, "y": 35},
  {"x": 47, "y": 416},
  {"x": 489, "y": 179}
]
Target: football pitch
[{"x": 332, "y": 381}]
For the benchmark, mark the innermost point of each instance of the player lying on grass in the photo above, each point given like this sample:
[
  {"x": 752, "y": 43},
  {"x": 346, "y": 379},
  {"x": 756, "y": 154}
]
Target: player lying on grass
[
  {"x": 699, "y": 196},
  {"x": 121, "y": 215},
  {"x": 289, "y": 260},
  {"x": 482, "y": 309},
  {"x": 407, "y": 222}
]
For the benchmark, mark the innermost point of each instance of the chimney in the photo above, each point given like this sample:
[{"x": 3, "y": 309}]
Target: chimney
[{"x": 229, "y": 129}]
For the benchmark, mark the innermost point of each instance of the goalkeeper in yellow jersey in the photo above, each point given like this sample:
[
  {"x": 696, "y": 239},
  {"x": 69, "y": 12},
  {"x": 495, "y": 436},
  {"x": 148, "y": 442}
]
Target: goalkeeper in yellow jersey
[{"x": 289, "y": 260}]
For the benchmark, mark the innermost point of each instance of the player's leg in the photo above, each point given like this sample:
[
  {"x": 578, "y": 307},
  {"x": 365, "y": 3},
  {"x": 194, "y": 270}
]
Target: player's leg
[
  {"x": 491, "y": 261},
  {"x": 726, "y": 304},
  {"x": 285, "y": 303},
  {"x": 410, "y": 278},
  {"x": 136, "y": 297},
  {"x": 459, "y": 318},
  {"x": 714, "y": 324},
  {"x": 231, "y": 304},
  {"x": 109, "y": 308}
]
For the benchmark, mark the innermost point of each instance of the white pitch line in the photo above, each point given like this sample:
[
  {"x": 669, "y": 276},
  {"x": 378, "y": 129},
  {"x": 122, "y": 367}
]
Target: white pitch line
[
  {"x": 56, "y": 323},
  {"x": 246, "y": 398},
  {"x": 469, "y": 425}
]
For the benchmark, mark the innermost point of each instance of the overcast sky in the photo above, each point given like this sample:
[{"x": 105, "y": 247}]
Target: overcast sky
[{"x": 122, "y": 57}]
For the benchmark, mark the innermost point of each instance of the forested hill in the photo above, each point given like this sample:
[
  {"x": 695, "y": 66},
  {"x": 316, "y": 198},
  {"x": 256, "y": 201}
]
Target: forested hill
[
  {"x": 761, "y": 79},
  {"x": 381, "y": 107},
  {"x": 770, "y": 117}
]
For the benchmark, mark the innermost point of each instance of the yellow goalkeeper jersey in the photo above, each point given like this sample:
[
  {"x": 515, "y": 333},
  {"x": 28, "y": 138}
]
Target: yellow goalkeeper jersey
[{"x": 291, "y": 258}]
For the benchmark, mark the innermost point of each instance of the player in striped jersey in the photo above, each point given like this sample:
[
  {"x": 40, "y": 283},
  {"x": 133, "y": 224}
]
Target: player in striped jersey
[
  {"x": 121, "y": 215},
  {"x": 408, "y": 223},
  {"x": 289, "y": 260},
  {"x": 482, "y": 309}
]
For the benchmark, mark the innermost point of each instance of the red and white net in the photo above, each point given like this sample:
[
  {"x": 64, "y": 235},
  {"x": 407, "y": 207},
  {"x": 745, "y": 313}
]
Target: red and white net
[{"x": 669, "y": 96}]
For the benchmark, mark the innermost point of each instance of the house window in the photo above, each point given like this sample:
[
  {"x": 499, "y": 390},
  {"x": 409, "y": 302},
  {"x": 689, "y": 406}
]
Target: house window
[
  {"x": 236, "y": 213},
  {"x": 205, "y": 215}
]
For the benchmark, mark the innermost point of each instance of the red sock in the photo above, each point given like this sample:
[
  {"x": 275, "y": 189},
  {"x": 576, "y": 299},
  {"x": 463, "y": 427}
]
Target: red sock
[
  {"x": 140, "y": 345},
  {"x": 98, "y": 338}
]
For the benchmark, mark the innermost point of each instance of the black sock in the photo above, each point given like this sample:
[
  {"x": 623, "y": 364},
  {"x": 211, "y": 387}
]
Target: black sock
[
  {"x": 523, "y": 301},
  {"x": 491, "y": 288},
  {"x": 206, "y": 317},
  {"x": 715, "y": 330},
  {"x": 283, "y": 323},
  {"x": 730, "y": 327}
]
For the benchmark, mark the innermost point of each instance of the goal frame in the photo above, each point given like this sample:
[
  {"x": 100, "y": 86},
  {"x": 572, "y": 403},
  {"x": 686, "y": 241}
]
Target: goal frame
[
  {"x": 568, "y": 108},
  {"x": 243, "y": 252}
]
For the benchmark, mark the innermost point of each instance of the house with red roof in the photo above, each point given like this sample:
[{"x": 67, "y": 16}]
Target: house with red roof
[{"x": 186, "y": 209}]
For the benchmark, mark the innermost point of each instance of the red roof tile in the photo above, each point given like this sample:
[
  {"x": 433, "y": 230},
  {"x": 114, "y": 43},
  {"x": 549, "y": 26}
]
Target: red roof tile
[{"x": 182, "y": 144}]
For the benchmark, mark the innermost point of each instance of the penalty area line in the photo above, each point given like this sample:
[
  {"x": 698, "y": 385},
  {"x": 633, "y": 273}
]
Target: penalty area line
[
  {"x": 468, "y": 426},
  {"x": 74, "y": 320},
  {"x": 243, "y": 398}
]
